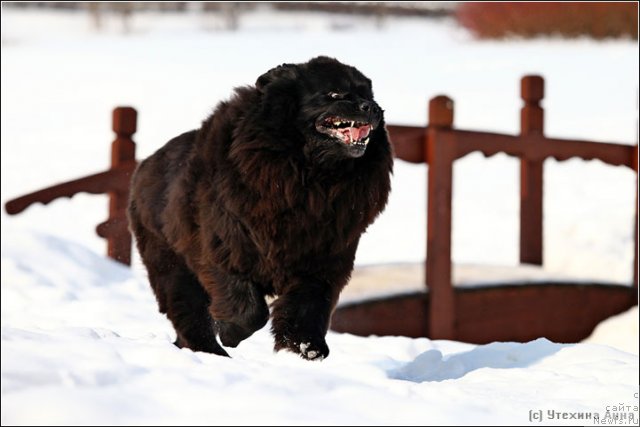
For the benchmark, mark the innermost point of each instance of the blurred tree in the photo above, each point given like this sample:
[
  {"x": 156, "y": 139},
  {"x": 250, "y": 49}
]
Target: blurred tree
[
  {"x": 123, "y": 9},
  {"x": 95, "y": 12}
]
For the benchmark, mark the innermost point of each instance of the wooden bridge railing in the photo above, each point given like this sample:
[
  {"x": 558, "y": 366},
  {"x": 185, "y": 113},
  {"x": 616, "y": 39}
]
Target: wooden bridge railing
[
  {"x": 439, "y": 145},
  {"x": 114, "y": 181}
]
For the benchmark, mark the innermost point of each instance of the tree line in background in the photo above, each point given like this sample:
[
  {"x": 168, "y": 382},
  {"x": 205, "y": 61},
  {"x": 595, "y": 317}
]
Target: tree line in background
[
  {"x": 230, "y": 12},
  {"x": 432, "y": 9},
  {"x": 599, "y": 20}
]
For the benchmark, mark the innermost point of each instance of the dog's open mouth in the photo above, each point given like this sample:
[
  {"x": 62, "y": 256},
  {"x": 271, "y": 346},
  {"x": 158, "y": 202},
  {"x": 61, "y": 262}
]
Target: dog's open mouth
[{"x": 351, "y": 132}]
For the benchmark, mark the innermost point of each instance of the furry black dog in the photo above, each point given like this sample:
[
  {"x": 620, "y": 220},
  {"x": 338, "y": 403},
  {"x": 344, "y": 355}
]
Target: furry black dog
[{"x": 269, "y": 197}]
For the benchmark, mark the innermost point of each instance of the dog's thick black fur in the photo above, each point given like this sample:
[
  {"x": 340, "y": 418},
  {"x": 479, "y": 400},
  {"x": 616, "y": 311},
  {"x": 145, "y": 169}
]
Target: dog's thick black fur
[{"x": 269, "y": 197}]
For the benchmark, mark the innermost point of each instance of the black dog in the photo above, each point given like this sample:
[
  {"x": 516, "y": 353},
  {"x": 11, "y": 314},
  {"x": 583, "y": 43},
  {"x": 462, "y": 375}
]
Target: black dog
[{"x": 269, "y": 197}]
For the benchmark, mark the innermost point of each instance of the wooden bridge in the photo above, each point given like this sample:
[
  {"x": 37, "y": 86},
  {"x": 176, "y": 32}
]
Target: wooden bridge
[{"x": 560, "y": 311}]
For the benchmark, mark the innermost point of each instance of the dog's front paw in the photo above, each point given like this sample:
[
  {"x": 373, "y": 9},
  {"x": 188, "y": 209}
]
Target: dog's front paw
[
  {"x": 311, "y": 351},
  {"x": 231, "y": 334},
  {"x": 309, "y": 348}
]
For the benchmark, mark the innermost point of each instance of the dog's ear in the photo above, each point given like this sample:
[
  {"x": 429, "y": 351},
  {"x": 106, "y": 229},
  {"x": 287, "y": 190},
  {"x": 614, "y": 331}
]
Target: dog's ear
[
  {"x": 286, "y": 71},
  {"x": 279, "y": 89}
]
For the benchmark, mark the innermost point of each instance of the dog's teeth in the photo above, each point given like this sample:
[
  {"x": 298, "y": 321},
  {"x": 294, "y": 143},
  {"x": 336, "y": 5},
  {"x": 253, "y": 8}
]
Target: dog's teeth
[
  {"x": 366, "y": 140},
  {"x": 352, "y": 124}
]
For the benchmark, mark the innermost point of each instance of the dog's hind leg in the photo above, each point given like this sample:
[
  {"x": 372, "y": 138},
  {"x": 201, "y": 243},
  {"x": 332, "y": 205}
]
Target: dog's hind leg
[
  {"x": 179, "y": 293},
  {"x": 187, "y": 309}
]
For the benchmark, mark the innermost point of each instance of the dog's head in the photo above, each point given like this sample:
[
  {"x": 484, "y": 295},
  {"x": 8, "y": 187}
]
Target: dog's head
[{"x": 326, "y": 102}]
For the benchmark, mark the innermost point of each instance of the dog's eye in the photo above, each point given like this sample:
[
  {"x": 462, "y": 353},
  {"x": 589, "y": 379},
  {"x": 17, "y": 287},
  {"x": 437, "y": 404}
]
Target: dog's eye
[{"x": 336, "y": 95}]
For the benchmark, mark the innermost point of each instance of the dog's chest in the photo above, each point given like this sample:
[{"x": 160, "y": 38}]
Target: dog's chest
[{"x": 322, "y": 216}]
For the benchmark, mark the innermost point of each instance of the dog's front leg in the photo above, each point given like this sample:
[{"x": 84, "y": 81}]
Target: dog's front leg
[{"x": 301, "y": 319}]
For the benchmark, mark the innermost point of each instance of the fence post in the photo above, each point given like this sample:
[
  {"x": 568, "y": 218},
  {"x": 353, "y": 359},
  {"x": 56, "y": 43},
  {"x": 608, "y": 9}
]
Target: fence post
[
  {"x": 440, "y": 156},
  {"x": 634, "y": 163},
  {"x": 123, "y": 153},
  {"x": 531, "y": 173}
]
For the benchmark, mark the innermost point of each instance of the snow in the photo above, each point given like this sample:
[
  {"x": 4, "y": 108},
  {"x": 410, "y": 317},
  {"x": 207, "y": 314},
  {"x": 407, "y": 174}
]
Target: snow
[
  {"x": 81, "y": 337},
  {"x": 619, "y": 331},
  {"x": 82, "y": 341}
]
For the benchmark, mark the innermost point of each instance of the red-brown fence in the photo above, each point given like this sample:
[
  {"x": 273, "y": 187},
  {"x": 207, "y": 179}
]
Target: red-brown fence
[
  {"x": 114, "y": 181},
  {"x": 559, "y": 311}
]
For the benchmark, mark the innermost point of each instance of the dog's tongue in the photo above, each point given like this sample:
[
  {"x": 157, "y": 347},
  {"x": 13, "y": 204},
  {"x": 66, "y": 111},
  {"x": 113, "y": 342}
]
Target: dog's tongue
[
  {"x": 356, "y": 134},
  {"x": 363, "y": 132}
]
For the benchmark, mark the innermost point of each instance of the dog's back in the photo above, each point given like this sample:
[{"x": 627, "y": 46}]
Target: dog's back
[{"x": 153, "y": 179}]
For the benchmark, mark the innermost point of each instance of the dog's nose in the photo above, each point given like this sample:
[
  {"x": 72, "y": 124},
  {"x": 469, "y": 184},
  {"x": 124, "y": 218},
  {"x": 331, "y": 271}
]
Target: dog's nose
[
  {"x": 366, "y": 106},
  {"x": 371, "y": 109}
]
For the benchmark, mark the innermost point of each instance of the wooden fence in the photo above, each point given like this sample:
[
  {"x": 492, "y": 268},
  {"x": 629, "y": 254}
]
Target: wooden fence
[{"x": 114, "y": 181}]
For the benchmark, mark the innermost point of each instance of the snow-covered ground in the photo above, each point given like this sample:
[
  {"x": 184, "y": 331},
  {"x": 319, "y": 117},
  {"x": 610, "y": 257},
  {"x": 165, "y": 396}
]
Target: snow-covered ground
[
  {"x": 82, "y": 341},
  {"x": 619, "y": 331}
]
